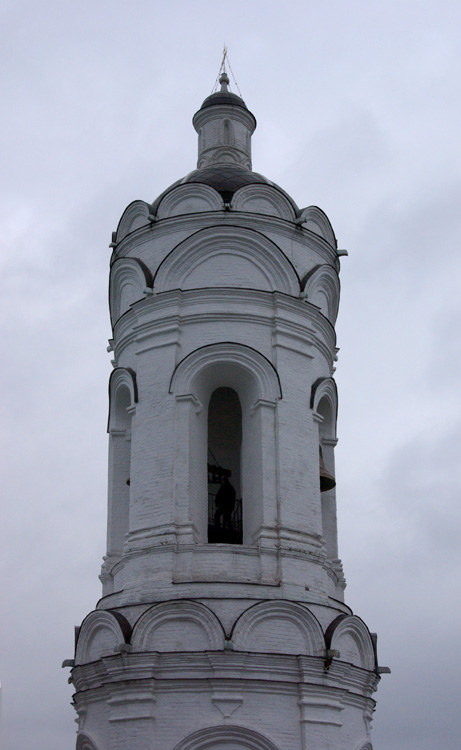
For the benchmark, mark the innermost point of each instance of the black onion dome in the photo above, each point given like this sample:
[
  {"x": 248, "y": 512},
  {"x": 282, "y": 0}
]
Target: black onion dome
[
  {"x": 226, "y": 180},
  {"x": 224, "y": 98}
]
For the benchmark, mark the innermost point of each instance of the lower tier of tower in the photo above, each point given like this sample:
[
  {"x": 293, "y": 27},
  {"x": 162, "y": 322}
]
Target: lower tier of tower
[{"x": 233, "y": 675}]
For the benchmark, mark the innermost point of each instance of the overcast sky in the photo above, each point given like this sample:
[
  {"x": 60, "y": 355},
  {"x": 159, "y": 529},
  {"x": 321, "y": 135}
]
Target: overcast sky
[{"x": 358, "y": 109}]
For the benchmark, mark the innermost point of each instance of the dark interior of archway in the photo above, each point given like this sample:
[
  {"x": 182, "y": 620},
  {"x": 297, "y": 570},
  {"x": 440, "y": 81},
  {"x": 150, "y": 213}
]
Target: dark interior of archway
[{"x": 224, "y": 478}]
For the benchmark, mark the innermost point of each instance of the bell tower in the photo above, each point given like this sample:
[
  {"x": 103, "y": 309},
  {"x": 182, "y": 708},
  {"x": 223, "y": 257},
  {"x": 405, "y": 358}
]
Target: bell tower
[{"x": 222, "y": 622}]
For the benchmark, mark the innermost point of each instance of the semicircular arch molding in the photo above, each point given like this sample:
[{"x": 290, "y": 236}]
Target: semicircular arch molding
[
  {"x": 121, "y": 378},
  {"x": 318, "y": 222},
  {"x": 178, "y": 626},
  {"x": 227, "y": 256},
  {"x": 263, "y": 199},
  {"x": 134, "y": 217},
  {"x": 326, "y": 389},
  {"x": 349, "y": 635},
  {"x": 85, "y": 743},
  {"x": 322, "y": 288},
  {"x": 127, "y": 281},
  {"x": 278, "y": 627},
  {"x": 223, "y": 154},
  {"x": 190, "y": 198},
  {"x": 229, "y": 737},
  {"x": 100, "y": 635},
  {"x": 364, "y": 745},
  {"x": 241, "y": 357}
]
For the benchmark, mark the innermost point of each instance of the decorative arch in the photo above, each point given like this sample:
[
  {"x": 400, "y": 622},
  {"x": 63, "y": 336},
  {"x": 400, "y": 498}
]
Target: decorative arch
[
  {"x": 178, "y": 626},
  {"x": 227, "y": 737},
  {"x": 263, "y": 199},
  {"x": 226, "y": 154},
  {"x": 324, "y": 403},
  {"x": 278, "y": 627},
  {"x": 189, "y": 199},
  {"x": 121, "y": 377},
  {"x": 326, "y": 389},
  {"x": 227, "y": 256},
  {"x": 364, "y": 745},
  {"x": 101, "y": 634},
  {"x": 127, "y": 281},
  {"x": 351, "y": 637},
  {"x": 321, "y": 288},
  {"x": 123, "y": 396},
  {"x": 134, "y": 217},
  {"x": 318, "y": 222},
  {"x": 256, "y": 383},
  {"x": 85, "y": 743},
  {"x": 214, "y": 356}
]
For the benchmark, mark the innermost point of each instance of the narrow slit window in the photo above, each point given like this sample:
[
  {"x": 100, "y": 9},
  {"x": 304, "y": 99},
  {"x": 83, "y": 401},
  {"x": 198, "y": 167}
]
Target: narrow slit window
[{"x": 227, "y": 133}]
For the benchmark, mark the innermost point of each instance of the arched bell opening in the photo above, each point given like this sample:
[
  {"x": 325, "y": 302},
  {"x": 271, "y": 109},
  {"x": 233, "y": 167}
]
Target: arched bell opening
[
  {"x": 240, "y": 375},
  {"x": 119, "y": 471},
  {"x": 327, "y": 442},
  {"x": 224, "y": 467}
]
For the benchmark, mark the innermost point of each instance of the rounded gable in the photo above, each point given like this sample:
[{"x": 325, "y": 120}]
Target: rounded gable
[
  {"x": 134, "y": 217},
  {"x": 349, "y": 635},
  {"x": 264, "y": 199},
  {"x": 227, "y": 256},
  {"x": 178, "y": 626},
  {"x": 316, "y": 220},
  {"x": 128, "y": 279},
  {"x": 189, "y": 199},
  {"x": 278, "y": 627},
  {"x": 226, "y": 179},
  {"x": 100, "y": 635},
  {"x": 322, "y": 288}
]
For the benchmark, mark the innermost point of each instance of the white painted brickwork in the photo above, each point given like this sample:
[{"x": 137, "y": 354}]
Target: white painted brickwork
[{"x": 223, "y": 283}]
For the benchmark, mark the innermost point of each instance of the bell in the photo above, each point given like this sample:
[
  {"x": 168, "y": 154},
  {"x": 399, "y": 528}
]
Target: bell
[{"x": 327, "y": 481}]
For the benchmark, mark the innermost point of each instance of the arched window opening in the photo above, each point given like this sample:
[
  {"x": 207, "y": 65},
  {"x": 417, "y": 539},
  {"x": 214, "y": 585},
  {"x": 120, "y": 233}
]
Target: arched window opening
[
  {"x": 119, "y": 477},
  {"x": 236, "y": 369},
  {"x": 327, "y": 480},
  {"x": 224, "y": 467},
  {"x": 327, "y": 441}
]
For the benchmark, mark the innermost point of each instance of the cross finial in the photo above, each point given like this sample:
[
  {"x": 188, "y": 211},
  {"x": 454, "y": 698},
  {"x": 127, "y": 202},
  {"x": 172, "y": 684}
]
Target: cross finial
[
  {"x": 222, "y": 75},
  {"x": 222, "y": 69}
]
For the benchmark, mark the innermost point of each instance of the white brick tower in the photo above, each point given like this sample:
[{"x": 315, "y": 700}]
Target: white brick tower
[{"x": 222, "y": 623}]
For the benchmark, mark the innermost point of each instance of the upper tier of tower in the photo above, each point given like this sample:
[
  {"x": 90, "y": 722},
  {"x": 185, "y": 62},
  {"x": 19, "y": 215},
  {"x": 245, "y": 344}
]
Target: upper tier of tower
[
  {"x": 224, "y": 274},
  {"x": 224, "y": 125},
  {"x": 224, "y": 192}
]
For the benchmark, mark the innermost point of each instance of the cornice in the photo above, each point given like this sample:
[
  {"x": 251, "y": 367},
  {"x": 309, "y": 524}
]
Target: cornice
[
  {"x": 259, "y": 672},
  {"x": 166, "y": 311}
]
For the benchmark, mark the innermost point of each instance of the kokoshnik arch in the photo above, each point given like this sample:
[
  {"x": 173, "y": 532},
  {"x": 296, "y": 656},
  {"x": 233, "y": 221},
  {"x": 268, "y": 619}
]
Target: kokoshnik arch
[{"x": 223, "y": 626}]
